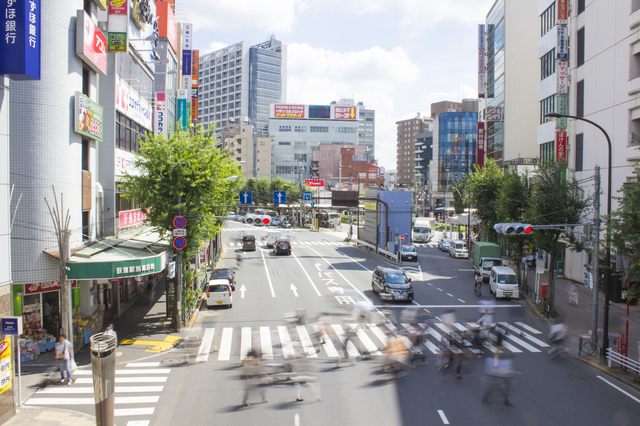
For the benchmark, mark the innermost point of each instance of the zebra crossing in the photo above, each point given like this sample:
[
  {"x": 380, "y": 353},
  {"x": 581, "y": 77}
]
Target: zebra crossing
[
  {"x": 295, "y": 243},
  {"x": 234, "y": 343},
  {"x": 138, "y": 386},
  {"x": 246, "y": 228}
]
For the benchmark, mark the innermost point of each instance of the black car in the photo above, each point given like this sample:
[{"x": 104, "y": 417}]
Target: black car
[
  {"x": 228, "y": 274},
  {"x": 248, "y": 243},
  {"x": 282, "y": 247},
  {"x": 392, "y": 284},
  {"x": 408, "y": 252}
]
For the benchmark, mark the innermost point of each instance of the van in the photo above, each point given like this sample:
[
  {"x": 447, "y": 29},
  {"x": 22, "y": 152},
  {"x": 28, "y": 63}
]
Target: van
[
  {"x": 219, "y": 293},
  {"x": 458, "y": 248},
  {"x": 272, "y": 237},
  {"x": 503, "y": 282},
  {"x": 248, "y": 243}
]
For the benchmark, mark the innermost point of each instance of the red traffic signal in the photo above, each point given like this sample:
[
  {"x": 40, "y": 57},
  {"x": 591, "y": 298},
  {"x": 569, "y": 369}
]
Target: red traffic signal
[
  {"x": 266, "y": 220},
  {"x": 527, "y": 229},
  {"x": 513, "y": 228}
]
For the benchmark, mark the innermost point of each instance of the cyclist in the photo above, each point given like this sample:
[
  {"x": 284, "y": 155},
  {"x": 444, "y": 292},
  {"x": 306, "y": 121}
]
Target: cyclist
[{"x": 478, "y": 285}]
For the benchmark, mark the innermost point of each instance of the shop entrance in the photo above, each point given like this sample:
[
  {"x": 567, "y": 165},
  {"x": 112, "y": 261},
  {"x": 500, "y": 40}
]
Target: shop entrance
[{"x": 51, "y": 313}]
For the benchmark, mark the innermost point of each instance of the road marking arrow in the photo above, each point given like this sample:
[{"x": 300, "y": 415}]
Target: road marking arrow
[
  {"x": 295, "y": 290},
  {"x": 242, "y": 290},
  {"x": 318, "y": 266}
]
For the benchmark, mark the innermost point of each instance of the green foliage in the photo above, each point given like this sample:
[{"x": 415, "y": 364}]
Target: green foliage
[
  {"x": 484, "y": 184},
  {"x": 459, "y": 189},
  {"x": 184, "y": 174},
  {"x": 263, "y": 188},
  {"x": 514, "y": 194}
]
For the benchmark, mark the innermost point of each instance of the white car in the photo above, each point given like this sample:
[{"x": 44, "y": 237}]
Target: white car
[
  {"x": 219, "y": 293},
  {"x": 458, "y": 248},
  {"x": 444, "y": 244},
  {"x": 503, "y": 282}
]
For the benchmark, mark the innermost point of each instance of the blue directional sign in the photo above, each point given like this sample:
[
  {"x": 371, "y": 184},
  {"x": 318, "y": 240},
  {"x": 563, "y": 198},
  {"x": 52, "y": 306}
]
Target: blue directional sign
[
  {"x": 306, "y": 196},
  {"x": 313, "y": 204},
  {"x": 279, "y": 197},
  {"x": 246, "y": 197}
]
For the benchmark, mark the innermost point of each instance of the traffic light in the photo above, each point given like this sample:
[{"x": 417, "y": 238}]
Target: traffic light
[
  {"x": 266, "y": 220},
  {"x": 513, "y": 228}
]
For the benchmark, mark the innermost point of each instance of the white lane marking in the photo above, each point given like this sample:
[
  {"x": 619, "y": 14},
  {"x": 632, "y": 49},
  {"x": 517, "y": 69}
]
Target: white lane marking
[
  {"x": 91, "y": 401},
  {"x": 518, "y": 341},
  {"x": 205, "y": 346},
  {"x": 242, "y": 290},
  {"x": 328, "y": 344},
  {"x": 529, "y": 329},
  {"x": 379, "y": 334},
  {"x": 366, "y": 341},
  {"x": 320, "y": 274},
  {"x": 318, "y": 267},
  {"x": 142, "y": 364},
  {"x": 460, "y": 300},
  {"x": 308, "y": 277},
  {"x": 138, "y": 422},
  {"x": 273, "y": 294},
  {"x": 285, "y": 340},
  {"x": 225, "y": 344},
  {"x": 430, "y": 284},
  {"x": 449, "y": 306},
  {"x": 443, "y": 417},
  {"x": 125, "y": 412},
  {"x": 149, "y": 379},
  {"x": 296, "y": 420},
  {"x": 265, "y": 342},
  {"x": 525, "y": 335},
  {"x": 119, "y": 389},
  {"x": 294, "y": 289},
  {"x": 619, "y": 389},
  {"x": 351, "y": 348},
  {"x": 127, "y": 372},
  {"x": 439, "y": 288},
  {"x": 245, "y": 342},
  {"x": 306, "y": 342},
  {"x": 449, "y": 294}
]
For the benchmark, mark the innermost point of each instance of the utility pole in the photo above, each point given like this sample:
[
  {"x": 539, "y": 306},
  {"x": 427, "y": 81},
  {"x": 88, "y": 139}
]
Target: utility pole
[
  {"x": 595, "y": 258},
  {"x": 61, "y": 228},
  {"x": 179, "y": 279}
]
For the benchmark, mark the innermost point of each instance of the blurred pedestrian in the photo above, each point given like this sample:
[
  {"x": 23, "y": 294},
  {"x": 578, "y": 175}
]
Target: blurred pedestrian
[
  {"x": 152, "y": 292},
  {"x": 446, "y": 355},
  {"x": 64, "y": 353},
  {"x": 448, "y": 319},
  {"x": 305, "y": 374},
  {"x": 573, "y": 294},
  {"x": 498, "y": 378},
  {"x": 111, "y": 332},
  {"x": 255, "y": 377}
]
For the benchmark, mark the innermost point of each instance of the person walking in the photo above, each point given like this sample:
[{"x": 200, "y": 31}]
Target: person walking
[
  {"x": 255, "y": 377},
  {"x": 573, "y": 294},
  {"x": 152, "y": 292},
  {"x": 64, "y": 353},
  {"x": 498, "y": 377},
  {"x": 110, "y": 332}
]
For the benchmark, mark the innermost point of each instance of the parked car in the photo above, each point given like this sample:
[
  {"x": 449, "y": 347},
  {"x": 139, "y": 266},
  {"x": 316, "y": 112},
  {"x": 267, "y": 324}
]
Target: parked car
[
  {"x": 219, "y": 293},
  {"x": 282, "y": 247},
  {"x": 248, "y": 243},
  {"x": 503, "y": 282},
  {"x": 227, "y": 274},
  {"x": 239, "y": 218},
  {"x": 391, "y": 284},
  {"x": 285, "y": 224},
  {"x": 444, "y": 244},
  {"x": 408, "y": 252},
  {"x": 458, "y": 248}
]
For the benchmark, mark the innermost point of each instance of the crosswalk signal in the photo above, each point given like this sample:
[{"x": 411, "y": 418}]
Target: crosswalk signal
[{"x": 513, "y": 228}]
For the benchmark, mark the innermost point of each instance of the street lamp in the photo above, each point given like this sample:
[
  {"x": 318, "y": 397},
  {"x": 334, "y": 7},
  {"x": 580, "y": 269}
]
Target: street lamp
[
  {"x": 607, "y": 259},
  {"x": 357, "y": 174}
]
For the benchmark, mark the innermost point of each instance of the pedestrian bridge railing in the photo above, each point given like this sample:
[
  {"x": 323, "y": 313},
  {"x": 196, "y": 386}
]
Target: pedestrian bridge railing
[{"x": 623, "y": 361}]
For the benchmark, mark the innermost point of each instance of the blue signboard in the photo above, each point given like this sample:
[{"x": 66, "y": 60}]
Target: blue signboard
[
  {"x": 20, "y": 43},
  {"x": 306, "y": 196},
  {"x": 246, "y": 197},
  {"x": 11, "y": 326},
  {"x": 279, "y": 197},
  {"x": 186, "y": 62}
]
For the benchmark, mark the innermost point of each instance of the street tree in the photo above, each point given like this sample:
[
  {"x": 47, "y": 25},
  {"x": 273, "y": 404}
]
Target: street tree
[
  {"x": 459, "y": 189},
  {"x": 555, "y": 200},
  {"x": 514, "y": 193},
  {"x": 484, "y": 184}
]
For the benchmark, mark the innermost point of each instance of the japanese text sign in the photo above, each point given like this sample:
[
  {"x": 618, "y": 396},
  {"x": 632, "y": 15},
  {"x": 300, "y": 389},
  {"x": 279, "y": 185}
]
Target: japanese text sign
[
  {"x": 20, "y": 43},
  {"x": 131, "y": 217},
  {"x": 562, "y": 69},
  {"x": 480, "y": 151},
  {"x": 88, "y": 117},
  {"x": 563, "y": 43},
  {"x": 91, "y": 44},
  {"x": 288, "y": 111},
  {"x": 344, "y": 113},
  {"x": 5, "y": 365},
  {"x": 561, "y": 147},
  {"x": 118, "y": 7},
  {"x": 563, "y": 12},
  {"x": 167, "y": 23}
]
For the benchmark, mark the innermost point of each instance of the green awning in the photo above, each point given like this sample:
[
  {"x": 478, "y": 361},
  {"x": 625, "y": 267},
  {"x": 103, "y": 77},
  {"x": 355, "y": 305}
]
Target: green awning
[{"x": 134, "y": 252}]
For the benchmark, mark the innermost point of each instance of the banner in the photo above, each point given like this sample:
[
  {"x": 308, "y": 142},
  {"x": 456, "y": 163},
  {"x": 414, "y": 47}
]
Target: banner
[
  {"x": 288, "y": 111},
  {"x": 314, "y": 182},
  {"x": 563, "y": 12},
  {"x": 182, "y": 117},
  {"x": 5, "y": 365},
  {"x": 167, "y": 23},
  {"x": 481, "y": 142},
  {"x": 160, "y": 116},
  {"x": 88, "y": 117},
  {"x": 562, "y": 70},
  {"x": 562, "y": 48},
  {"x": 494, "y": 114},
  {"x": 118, "y": 24},
  {"x": 561, "y": 147}
]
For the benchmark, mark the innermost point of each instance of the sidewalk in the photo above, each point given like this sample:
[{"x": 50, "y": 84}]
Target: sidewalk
[{"x": 578, "y": 318}]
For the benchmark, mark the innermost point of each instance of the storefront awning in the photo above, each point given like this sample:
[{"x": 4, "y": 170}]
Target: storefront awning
[{"x": 134, "y": 252}]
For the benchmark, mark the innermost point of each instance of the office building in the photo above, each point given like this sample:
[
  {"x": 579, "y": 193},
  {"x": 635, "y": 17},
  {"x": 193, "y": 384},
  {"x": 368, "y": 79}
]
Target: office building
[{"x": 237, "y": 139}]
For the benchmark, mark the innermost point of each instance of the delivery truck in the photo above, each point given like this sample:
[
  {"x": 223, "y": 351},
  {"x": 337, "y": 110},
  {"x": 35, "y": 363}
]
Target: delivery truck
[
  {"x": 485, "y": 256},
  {"x": 422, "y": 231}
]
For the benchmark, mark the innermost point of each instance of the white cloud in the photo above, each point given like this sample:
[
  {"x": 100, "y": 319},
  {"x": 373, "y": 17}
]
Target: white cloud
[
  {"x": 220, "y": 15},
  {"x": 213, "y": 46}
]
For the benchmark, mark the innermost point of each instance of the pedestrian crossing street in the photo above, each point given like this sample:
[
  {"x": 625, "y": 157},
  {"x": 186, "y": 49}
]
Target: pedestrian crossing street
[
  {"x": 234, "y": 343},
  {"x": 295, "y": 243},
  {"x": 138, "y": 386}
]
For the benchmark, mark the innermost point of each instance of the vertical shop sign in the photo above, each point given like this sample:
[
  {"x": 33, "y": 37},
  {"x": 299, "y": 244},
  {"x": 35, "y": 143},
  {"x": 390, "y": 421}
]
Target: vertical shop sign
[
  {"x": 160, "y": 121},
  {"x": 562, "y": 48},
  {"x": 187, "y": 34},
  {"x": 183, "y": 111},
  {"x": 20, "y": 43},
  {"x": 195, "y": 57},
  {"x": 117, "y": 37},
  {"x": 562, "y": 69},
  {"x": 88, "y": 117},
  {"x": 91, "y": 44},
  {"x": 5, "y": 365},
  {"x": 563, "y": 12},
  {"x": 562, "y": 107},
  {"x": 480, "y": 150},
  {"x": 561, "y": 147},
  {"x": 482, "y": 78}
]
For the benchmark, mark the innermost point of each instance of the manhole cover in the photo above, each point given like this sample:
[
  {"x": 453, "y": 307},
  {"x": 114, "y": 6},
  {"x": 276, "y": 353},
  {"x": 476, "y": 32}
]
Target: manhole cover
[
  {"x": 578, "y": 377},
  {"x": 173, "y": 361}
]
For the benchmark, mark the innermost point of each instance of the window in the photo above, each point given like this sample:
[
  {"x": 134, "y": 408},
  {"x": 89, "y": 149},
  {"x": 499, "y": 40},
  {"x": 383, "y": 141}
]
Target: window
[
  {"x": 548, "y": 64},
  {"x": 580, "y": 99},
  {"x": 547, "y": 105},
  {"x": 579, "y": 151},
  {"x": 300, "y": 158},
  {"x": 635, "y": 3},
  {"x": 319, "y": 129},
  {"x": 547, "y": 151},
  {"x": 128, "y": 134},
  {"x": 548, "y": 19},
  {"x": 283, "y": 170},
  {"x": 301, "y": 145},
  {"x": 284, "y": 143},
  {"x": 284, "y": 128},
  {"x": 300, "y": 129},
  {"x": 580, "y": 46}
]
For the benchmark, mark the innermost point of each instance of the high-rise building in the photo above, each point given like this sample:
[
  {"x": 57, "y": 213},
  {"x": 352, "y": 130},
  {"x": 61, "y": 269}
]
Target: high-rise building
[
  {"x": 241, "y": 81},
  {"x": 511, "y": 114},
  {"x": 405, "y": 147}
]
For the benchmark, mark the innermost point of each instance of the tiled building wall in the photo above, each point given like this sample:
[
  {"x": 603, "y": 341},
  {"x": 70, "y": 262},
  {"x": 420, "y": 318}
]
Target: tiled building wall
[
  {"x": 5, "y": 190},
  {"x": 45, "y": 150}
]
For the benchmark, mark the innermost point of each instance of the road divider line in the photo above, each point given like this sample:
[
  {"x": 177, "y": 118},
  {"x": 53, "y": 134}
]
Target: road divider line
[
  {"x": 619, "y": 389},
  {"x": 127, "y": 372},
  {"x": 205, "y": 346},
  {"x": 462, "y": 301},
  {"x": 449, "y": 294},
  {"x": 273, "y": 294},
  {"x": 443, "y": 417},
  {"x": 142, "y": 364},
  {"x": 308, "y": 277}
]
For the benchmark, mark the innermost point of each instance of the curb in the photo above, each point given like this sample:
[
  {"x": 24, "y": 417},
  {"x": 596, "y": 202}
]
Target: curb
[{"x": 606, "y": 371}]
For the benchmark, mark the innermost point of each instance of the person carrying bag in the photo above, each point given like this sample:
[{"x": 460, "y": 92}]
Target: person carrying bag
[{"x": 64, "y": 353}]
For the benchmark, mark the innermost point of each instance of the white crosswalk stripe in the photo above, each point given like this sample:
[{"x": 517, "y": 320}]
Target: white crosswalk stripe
[
  {"x": 133, "y": 397},
  {"x": 280, "y": 341}
]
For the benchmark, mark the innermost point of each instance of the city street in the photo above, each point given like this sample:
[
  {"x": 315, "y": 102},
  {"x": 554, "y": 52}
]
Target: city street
[{"x": 199, "y": 380}]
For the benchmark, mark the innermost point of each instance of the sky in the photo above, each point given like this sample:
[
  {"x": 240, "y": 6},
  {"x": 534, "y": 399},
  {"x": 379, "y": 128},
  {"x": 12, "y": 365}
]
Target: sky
[{"x": 395, "y": 56}]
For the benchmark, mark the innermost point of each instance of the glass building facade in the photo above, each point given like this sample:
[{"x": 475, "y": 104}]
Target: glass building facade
[
  {"x": 266, "y": 82},
  {"x": 457, "y": 143},
  {"x": 495, "y": 78}
]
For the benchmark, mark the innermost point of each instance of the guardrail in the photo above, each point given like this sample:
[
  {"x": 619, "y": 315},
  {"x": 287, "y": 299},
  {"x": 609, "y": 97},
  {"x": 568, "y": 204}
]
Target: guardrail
[
  {"x": 625, "y": 362},
  {"x": 390, "y": 255},
  {"x": 587, "y": 347},
  {"x": 364, "y": 243},
  {"x": 387, "y": 253}
]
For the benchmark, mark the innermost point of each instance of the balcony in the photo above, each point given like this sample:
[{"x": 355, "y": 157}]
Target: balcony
[
  {"x": 634, "y": 86},
  {"x": 634, "y": 19}
]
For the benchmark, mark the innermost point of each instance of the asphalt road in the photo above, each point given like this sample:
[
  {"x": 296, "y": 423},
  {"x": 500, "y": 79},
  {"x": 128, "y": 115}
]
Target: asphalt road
[{"x": 326, "y": 275}]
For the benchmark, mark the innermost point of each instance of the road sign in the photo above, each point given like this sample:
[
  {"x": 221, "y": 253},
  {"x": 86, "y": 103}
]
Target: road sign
[
  {"x": 306, "y": 196},
  {"x": 246, "y": 197},
  {"x": 401, "y": 237},
  {"x": 179, "y": 222},
  {"x": 313, "y": 203},
  {"x": 279, "y": 197},
  {"x": 180, "y": 232},
  {"x": 179, "y": 243}
]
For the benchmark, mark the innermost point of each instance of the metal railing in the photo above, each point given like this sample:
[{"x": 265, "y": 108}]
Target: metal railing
[
  {"x": 588, "y": 348},
  {"x": 623, "y": 361},
  {"x": 543, "y": 306}
]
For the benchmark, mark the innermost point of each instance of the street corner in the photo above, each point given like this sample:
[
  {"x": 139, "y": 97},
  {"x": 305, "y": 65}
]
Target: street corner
[{"x": 152, "y": 345}]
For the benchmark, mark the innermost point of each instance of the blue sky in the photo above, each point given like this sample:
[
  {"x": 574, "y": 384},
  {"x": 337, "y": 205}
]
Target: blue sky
[{"x": 396, "y": 56}]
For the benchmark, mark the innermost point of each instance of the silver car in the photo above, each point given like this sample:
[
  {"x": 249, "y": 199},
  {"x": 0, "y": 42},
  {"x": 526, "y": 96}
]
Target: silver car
[{"x": 444, "y": 244}]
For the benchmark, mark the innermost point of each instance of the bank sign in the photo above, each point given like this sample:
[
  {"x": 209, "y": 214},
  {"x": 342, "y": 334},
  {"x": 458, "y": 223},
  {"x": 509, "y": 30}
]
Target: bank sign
[{"x": 20, "y": 43}]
